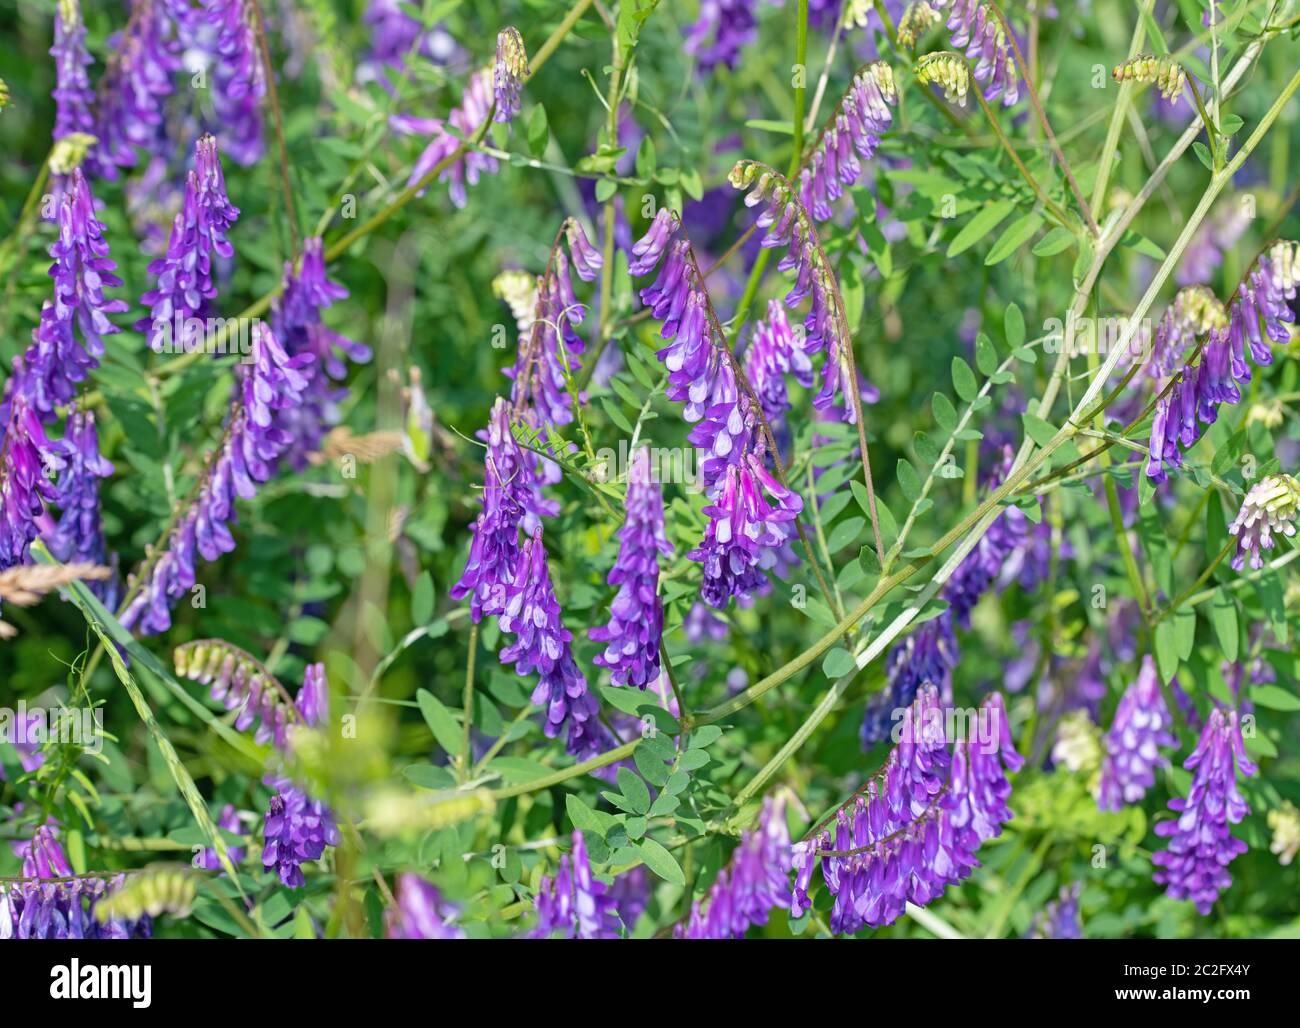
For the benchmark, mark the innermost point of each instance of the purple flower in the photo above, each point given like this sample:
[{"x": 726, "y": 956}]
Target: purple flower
[
  {"x": 573, "y": 904},
  {"x": 313, "y": 702},
  {"x": 508, "y": 73},
  {"x": 916, "y": 827},
  {"x": 79, "y": 534},
  {"x": 73, "y": 98},
  {"x": 1059, "y": 919},
  {"x": 542, "y": 645},
  {"x": 636, "y": 617},
  {"x": 700, "y": 622},
  {"x": 1140, "y": 729},
  {"x": 1269, "y": 510},
  {"x": 296, "y": 323},
  {"x": 745, "y": 527},
  {"x": 55, "y": 361},
  {"x": 862, "y": 118},
  {"x": 421, "y": 912},
  {"x": 494, "y": 550},
  {"x": 184, "y": 274},
  {"x": 139, "y": 78},
  {"x": 722, "y": 29},
  {"x": 754, "y": 883},
  {"x": 977, "y": 32},
  {"x": 773, "y": 354},
  {"x": 1195, "y": 864},
  {"x": 238, "y": 80},
  {"x": 246, "y": 458},
  {"x": 394, "y": 34},
  {"x": 297, "y": 829},
  {"x": 1194, "y": 312},
  {"x": 59, "y": 909},
  {"x": 1216, "y": 236},
  {"x": 229, "y": 821},
  {"x": 28, "y": 460},
  {"x": 467, "y": 120}
]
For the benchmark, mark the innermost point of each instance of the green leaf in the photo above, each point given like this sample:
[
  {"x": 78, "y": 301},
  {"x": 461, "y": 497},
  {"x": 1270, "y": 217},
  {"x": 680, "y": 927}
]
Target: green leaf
[
  {"x": 422, "y": 599},
  {"x": 661, "y": 862},
  {"x": 1223, "y": 617},
  {"x": 1015, "y": 234},
  {"x": 446, "y": 729},
  {"x": 1274, "y": 697},
  {"x": 651, "y": 766},
  {"x": 634, "y": 790},
  {"x": 986, "y": 357},
  {"x": 838, "y": 663},
  {"x": 984, "y": 221},
  {"x": 605, "y": 189},
  {"x": 845, "y": 533},
  {"x": 1040, "y": 431},
  {"x": 1166, "y": 650},
  {"x": 908, "y": 480},
  {"x": 964, "y": 380},
  {"x": 1184, "y": 631},
  {"x": 945, "y": 415},
  {"x": 538, "y": 131},
  {"x": 1053, "y": 243},
  {"x": 1013, "y": 323},
  {"x": 645, "y": 158}
]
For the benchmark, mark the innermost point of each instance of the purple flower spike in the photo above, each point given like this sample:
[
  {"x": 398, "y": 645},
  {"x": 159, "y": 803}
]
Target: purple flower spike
[
  {"x": 467, "y": 119},
  {"x": 649, "y": 249},
  {"x": 1140, "y": 729},
  {"x": 313, "y": 702},
  {"x": 1195, "y": 864},
  {"x": 421, "y": 912},
  {"x": 542, "y": 645},
  {"x": 140, "y": 77},
  {"x": 977, "y": 32},
  {"x": 73, "y": 98},
  {"x": 573, "y": 905},
  {"x": 863, "y": 117},
  {"x": 229, "y": 821},
  {"x": 247, "y": 457},
  {"x": 238, "y": 80},
  {"x": 1060, "y": 918},
  {"x": 184, "y": 274},
  {"x": 773, "y": 354},
  {"x": 1269, "y": 510},
  {"x": 79, "y": 534},
  {"x": 297, "y": 829},
  {"x": 508, "y": 73},
  {"x": 28, "y": 461},
  {"x": 587, "y": 260},
  {"x": 636, "y": 622},
  {"x": 752, "y": 885},
  {"x": 744, "y": 527}
]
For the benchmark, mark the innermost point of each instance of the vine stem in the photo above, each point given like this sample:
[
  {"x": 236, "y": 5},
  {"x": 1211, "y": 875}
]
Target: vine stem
[
  {"x": 468, "y": 701},
  {"x": 273, "y": 101},
  {"x": 1025, "y": 173}
]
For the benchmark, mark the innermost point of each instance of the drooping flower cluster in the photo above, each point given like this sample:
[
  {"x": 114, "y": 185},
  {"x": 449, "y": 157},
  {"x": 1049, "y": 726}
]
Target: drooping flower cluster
[
  {"x": 916, "y": 21},
  {"x": 723, "y": 28},
  {"x": 241, "y": 684},
  {"x": 296, "y": 323},
  {"x": 420, "y": 913},
  {"x": 79, "y": 535},
  {"x": 573, "y": 905},
  {"x": 1285, "y": 824},
  {"x": 508, "y": 73},
  {"x": 184, "y": 285},
  {"x": 1258, "y": 313},
  {"x": 1217, "y": 235},
  {"x": 468, "y": 120},
  {"x": 1133, "y": 744},
  {"x": 930, "y": 654},
  {"x": 773, "y": 354},
  {"x": 751, "y": 886},
  {"x": 636, "y": 617},
  {"x": 238, "y": 79},
  {"x": 246, "y": 458},
  {"x": 1201, "y": 846},
  {"x": 229, "y": 821},
  {"x": 61, "y": 909},
  {"x": 978, "y": 33},
  {"x": 855, "y": 130},
  {"x": 28, "y": 460},
  {"x": 56, "y": 361},
  {"x": 1194, "y": 312},
  {"x": 1269, "y": 510},
  {"x": 789, "y": 225},
  {"x": 916, "y": 828},
  {"x": 542, "y": 645},
  {"x": 139, "y": 79},
  {"x": 948, "y": 71},
  {"x": 1164, "y": 73},
  {"x": 1059, "y": 919},
  {"x": 74, "y": 100},
  {"x": 297, "y": 829}
]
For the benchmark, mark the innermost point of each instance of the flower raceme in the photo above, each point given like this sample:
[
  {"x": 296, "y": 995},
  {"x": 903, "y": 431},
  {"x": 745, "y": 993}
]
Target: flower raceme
[
  {"x": 1137, "y": 734},
  {"x": 73, "y": 98},
  {"x": 916, "y": 827},
  {"x": 1194, "y": 866},
  {"x": 139, "y": 79},
  {"x": 508, "y": 73},
  {"x": 1269, "y": 510},
  {"x": 420, "y": 912},
  {"x": 238, "y": 79},
  {"x": 246, "y": 458},
  {"x": 573, "y": 905},
  {"x": 635, "y": 631},
  {"x": 977, "y": 31},
  {"x": 468, "y": 120}
]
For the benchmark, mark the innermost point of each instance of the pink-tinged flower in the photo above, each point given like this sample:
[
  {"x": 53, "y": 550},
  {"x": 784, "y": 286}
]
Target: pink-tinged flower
[
  {"x": 636, "y": 617},
  {"x": 79, "y": 534},
  {"x": 773, "y": 354},
  {"x": 138, "y": 80},
  {"x": 723, "y": 28},
  {"x": 978, "y": 33},
  {"x": 863, "y": 117},
  {"x": 1269, "y": 510},
  {"x": 1133, "y": 744},
  {"x": 508, "y": 73},
  {"x": 238, "y": 80},
  {"x": 1201, "y": 846},
  {"x": 468, "y": 120},
  {"x": 28, "y": 462}
]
